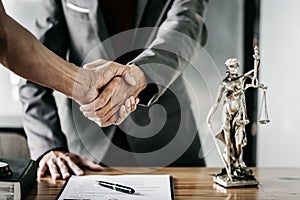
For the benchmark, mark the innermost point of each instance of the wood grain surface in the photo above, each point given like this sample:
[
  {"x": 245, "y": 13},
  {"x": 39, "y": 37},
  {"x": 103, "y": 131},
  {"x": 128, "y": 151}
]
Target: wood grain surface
[{"x": 196, "y": 183}]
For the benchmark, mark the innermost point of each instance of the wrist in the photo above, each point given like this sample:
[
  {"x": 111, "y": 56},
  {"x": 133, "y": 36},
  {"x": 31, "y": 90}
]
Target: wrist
[
  {"x": 149, "y": 89},
  {"x": 140, "y": 78},
  {"x": 84, "y": 87}
]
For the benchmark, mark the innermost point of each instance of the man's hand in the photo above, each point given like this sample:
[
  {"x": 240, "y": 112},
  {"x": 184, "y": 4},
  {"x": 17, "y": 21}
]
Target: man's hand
[
  {"x": 96, "y": 75},
  {"x": 62, "y": 164},
  {"x": 116, "y": 100}
]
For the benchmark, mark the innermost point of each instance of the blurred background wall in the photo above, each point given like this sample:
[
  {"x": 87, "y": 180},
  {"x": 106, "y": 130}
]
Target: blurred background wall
[
  {"x": 10, "y": 107},
  {"x": 12, "y": 141},
  {"x": 278, "y": 142}
]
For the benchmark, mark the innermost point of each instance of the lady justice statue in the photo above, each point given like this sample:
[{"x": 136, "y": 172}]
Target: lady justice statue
[{"x": 234, "y": 119}]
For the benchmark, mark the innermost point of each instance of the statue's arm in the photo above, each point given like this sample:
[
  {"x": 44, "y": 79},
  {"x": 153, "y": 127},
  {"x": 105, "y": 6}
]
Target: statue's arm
[{"x": 216, "y": 104}]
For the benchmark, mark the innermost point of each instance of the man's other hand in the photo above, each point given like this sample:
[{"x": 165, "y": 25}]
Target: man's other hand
[{"x": 62, "y": 164}]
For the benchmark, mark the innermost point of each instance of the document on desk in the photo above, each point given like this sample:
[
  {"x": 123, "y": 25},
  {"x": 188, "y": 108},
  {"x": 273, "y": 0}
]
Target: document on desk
[{"x": 147, "y": 187}]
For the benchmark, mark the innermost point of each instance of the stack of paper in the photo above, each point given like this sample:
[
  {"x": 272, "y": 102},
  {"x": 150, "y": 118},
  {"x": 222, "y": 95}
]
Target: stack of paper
[{"x": 147, "y": 187}]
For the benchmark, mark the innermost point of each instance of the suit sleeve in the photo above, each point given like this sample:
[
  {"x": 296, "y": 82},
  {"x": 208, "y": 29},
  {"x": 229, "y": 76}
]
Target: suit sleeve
[
  {"x": 182, "y": 30},
  {"x": 40, "y": 115}
]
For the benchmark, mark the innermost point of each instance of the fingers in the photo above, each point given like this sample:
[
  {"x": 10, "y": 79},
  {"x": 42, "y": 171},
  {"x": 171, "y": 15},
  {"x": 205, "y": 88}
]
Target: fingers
[
  {"x": 61, "y": 164},
  {"x": 105, "y": 106},
  {"x": 53, "y": 169},
  {"x": 117, "y": 114},
  {"x": 108, "y": 103},
  {"x": 90, "y": 164},
  {"x": 111, "y": 121},
  {"x": 64, "y": 170},
  {"x": 101, "y": 100},
  {"x": 137, "y": 101},
  {"x": 129, "y": 106},
  {"x": 42, "y": 169},
  {"x": 122, "y": 112},
  {"x": 73, "y": 166},
  {"x": 122, "y": 115},
  {"x": 129, "y": 79},
  {"x": 53, "y": 163},
  {"x": 110, "y": 117}
]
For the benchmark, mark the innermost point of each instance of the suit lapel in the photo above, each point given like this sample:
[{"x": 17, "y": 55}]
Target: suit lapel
[
  {"x": 154, "y": 12},
  {"x": 151, "y": 14}
]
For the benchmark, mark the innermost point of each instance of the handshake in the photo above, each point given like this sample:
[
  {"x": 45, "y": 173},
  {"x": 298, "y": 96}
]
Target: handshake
[{"x": 107, "y": 91}]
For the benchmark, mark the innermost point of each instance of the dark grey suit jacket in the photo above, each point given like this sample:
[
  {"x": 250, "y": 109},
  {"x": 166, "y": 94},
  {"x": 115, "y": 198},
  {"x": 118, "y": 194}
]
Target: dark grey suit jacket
[{"x": 160, "y": 133}]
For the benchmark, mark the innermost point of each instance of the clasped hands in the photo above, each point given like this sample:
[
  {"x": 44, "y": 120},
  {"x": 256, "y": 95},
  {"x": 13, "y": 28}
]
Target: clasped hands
[{"x": 110, "y": 91}]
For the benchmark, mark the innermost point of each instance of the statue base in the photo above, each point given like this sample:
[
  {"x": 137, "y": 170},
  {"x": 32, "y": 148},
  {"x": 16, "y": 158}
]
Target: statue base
[{"x": 241, "y": 177}]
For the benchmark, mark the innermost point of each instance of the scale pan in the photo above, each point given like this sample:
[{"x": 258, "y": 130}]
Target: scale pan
[{"x": 264, "y": 121}]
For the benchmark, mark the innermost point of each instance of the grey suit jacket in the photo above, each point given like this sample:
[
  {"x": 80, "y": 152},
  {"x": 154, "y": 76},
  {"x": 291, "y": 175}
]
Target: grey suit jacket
[{"x": 160, "y": 133}]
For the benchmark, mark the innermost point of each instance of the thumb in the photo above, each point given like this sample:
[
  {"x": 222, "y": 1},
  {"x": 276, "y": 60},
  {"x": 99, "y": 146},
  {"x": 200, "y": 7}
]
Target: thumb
[{"x": 129, "y": 79}]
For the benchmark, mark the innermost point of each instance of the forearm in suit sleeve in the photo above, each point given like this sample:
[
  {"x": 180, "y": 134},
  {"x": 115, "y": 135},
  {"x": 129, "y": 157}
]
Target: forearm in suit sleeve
[
  {"x": 41, "y": 121},
  {"x": 174, "y": 44}
]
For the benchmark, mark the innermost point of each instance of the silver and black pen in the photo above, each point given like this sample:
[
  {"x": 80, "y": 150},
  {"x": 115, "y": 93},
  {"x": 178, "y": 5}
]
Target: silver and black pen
[{"x": 117, "y": 187}]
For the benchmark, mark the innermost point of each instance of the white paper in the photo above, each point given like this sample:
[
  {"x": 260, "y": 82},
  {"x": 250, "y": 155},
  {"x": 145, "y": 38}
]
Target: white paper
[{"x": 147, "y": 187}]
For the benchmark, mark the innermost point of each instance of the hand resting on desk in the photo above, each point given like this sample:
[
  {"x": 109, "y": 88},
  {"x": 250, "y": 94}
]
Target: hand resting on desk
[{"x": 61, "y": 165}]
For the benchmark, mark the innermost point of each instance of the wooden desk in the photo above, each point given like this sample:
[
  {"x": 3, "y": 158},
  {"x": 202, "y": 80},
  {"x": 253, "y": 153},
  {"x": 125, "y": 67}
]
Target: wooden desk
[{"x": 196, "y": 183}]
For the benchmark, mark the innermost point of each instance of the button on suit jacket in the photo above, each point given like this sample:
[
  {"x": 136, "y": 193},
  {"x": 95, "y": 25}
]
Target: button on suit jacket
[{"x": 160, "y": 132}]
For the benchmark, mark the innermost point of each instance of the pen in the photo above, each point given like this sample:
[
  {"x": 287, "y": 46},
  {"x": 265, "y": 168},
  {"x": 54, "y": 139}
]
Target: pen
[{"x": 117, "y": 187}]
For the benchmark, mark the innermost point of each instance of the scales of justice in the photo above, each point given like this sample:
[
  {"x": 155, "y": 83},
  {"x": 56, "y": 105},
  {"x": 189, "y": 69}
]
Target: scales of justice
[{"x": 234, "y": 119}]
